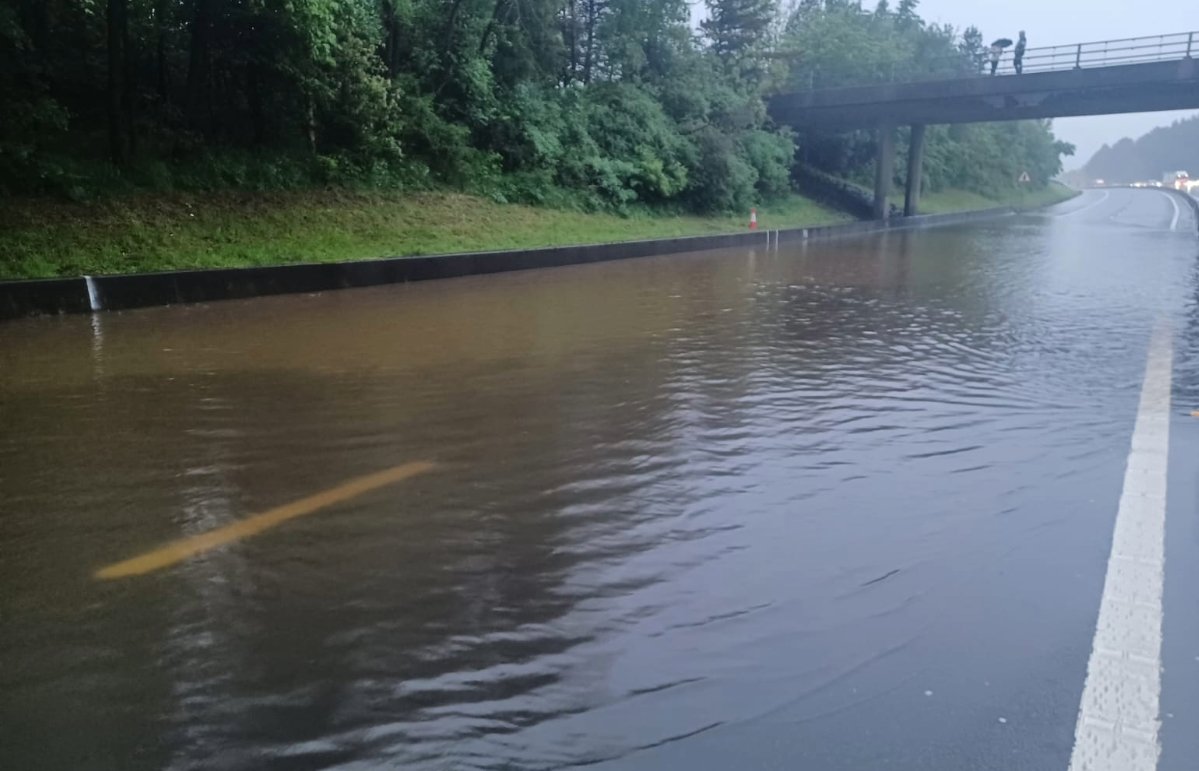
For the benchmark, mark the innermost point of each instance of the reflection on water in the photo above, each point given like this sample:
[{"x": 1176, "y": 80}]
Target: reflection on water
[{"x": 678, "y": 497}]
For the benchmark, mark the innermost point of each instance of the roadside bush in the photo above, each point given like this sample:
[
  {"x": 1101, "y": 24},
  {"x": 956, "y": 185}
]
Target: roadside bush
[
  {"x": 721, "y": 179},
  {"x": 770, "y": 154}
]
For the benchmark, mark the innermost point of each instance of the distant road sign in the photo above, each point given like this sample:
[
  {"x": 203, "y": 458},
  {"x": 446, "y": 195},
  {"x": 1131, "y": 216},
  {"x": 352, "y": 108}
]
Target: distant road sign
[{"x": 1024, "y": 177}]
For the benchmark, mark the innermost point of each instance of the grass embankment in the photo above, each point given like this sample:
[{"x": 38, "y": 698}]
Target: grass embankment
[
  {"x": 166, "y": 232},
  {"x": 963, "y": 200}
]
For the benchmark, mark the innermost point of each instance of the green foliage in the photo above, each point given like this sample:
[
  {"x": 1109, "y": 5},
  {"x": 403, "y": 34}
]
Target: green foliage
[
  {"x": 736, "y": 27},
  {"x": 600, "y": 104},
  {"x": 589, "y": 104},
  {"x": 771, "y": 155},
  {"x": 622, "y": 144},
  {"x": 724, "y": 180},
  {"x": 836, "y": 45},
  {"x": 31, "y": 116},
  {"x": 990, "y": 158}
]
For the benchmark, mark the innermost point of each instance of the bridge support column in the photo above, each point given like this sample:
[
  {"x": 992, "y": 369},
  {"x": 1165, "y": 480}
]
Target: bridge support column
[
  {"x": 911, "y": 198},
  {"x": 884, "y": 171}
]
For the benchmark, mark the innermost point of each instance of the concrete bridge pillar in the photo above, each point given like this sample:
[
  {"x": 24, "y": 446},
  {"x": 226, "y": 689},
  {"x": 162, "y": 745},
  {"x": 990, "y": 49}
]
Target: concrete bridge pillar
[
  {"x": 884, "y": 170},
  {"x": 911, "y": 198}
]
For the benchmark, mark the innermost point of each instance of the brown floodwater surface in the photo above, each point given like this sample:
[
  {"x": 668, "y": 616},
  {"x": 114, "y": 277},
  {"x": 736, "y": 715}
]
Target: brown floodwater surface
[{"x": 839, "y": 506}]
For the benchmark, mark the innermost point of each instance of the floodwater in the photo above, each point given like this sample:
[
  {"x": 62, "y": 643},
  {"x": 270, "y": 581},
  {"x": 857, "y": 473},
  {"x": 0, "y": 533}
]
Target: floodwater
[{"x": 841, "y": 506}]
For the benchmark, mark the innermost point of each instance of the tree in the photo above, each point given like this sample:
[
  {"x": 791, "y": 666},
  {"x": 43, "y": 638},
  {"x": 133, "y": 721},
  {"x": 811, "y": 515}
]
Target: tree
[
  {"x": 971, "y": 48},
  {"x": 644, "y": 40},
  {"x": 119, "y": 90},
  {"x": 906, "y": 15},
  {"x": 736, "y": 27}
]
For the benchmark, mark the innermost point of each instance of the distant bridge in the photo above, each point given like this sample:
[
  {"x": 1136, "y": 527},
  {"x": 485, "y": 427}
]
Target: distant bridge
[{"x": 1102, "y": 78}]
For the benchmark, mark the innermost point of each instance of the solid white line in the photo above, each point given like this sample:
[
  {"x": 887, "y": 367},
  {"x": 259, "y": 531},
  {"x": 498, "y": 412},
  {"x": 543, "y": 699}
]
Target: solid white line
[
  {"x": 1118, "y": 718},
  {"x": 1088, "y": 207},
  {"x": 1177, "y": 211}
]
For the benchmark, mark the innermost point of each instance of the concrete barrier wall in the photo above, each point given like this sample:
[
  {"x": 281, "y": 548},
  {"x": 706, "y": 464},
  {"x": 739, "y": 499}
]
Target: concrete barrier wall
[
  {"x": 1191, "y": 201},
  {"x": 138, "y": 290}
]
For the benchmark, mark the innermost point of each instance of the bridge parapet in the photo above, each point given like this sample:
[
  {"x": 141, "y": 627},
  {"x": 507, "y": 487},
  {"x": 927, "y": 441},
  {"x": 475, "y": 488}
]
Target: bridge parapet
[{"x": 1169, "y": 47}]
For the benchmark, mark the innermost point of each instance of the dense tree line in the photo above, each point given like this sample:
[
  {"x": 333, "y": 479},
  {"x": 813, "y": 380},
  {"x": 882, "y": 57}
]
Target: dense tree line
[
  {"x": 606, "y": 103},
  {"x": 1163, "y": 150}
]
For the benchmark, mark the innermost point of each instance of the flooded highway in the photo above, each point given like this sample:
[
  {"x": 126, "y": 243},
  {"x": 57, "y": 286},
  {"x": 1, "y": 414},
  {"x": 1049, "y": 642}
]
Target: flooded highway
[{"x": 846, "y": 505}]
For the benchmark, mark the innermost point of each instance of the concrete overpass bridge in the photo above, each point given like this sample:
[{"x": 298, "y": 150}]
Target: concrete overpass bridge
[{"x": 1100, "y": 78}]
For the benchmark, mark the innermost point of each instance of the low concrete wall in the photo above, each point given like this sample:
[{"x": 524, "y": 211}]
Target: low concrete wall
[
  {"x": 1191, "y": 201},
  {"x": 139, "y": 290}
]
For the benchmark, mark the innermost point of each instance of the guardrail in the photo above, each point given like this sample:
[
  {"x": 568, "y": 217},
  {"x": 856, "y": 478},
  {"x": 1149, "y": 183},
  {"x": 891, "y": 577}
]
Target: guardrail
[
  {"x": 1174, "y": 46},
  {"x": 1109, "y": 53}
]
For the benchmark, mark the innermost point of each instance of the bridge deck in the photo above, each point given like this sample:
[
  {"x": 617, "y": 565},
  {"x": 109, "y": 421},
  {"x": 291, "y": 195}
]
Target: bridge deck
[{"x": 1146, "y": 87}]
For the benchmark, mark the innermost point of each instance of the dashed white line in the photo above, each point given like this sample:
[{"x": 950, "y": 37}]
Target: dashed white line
[
  {"x": 1118, "y": 718},
  {"x": 1177, "y": 211}
]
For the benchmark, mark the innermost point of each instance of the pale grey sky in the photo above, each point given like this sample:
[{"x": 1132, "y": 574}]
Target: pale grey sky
[{"x": 1058, "y": 22}]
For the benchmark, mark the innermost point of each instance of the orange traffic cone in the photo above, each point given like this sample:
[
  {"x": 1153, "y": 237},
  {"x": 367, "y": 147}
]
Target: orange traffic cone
[{"x": 753, "y": 219}]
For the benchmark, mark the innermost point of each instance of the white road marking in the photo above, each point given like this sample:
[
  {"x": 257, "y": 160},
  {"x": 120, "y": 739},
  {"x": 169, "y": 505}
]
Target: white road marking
[
  {"x": 1177, "y": 211},
  {"x": 1118, "y": 718},
  {"x": 93, "y": 299},
  {"x": 1088, "y": 207}
]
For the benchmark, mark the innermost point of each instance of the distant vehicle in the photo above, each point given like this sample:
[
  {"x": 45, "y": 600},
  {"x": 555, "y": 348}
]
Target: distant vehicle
[{"x": 1179, "y": 180}]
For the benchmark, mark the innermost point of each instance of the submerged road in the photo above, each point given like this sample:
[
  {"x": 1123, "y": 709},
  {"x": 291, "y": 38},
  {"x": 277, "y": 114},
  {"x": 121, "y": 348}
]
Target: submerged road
[{"x": 865, "y": 504}]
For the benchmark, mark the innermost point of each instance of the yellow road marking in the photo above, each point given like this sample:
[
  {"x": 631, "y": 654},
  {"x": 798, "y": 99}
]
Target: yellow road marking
[{"x": 177, "y": 551}]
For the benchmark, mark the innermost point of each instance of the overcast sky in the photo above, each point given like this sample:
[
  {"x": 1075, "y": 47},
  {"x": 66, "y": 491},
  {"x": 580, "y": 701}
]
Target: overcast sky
[{"x": 1057, "y": 22}]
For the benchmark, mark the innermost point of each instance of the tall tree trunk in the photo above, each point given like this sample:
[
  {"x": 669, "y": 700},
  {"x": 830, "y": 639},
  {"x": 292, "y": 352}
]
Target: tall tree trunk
[
  {"x": 254, "y": 96},
  {"x": 117, "y": 19},
  {"x": 490, "y": 28},
  {"x": 310, "y": 125},
  {"x": 162, "y": 78},
  {"x": 35, "y": 17},
  {"x": 450, "y": 20},
  {"x": 199, "y": 68},
  {"x": 572, "y": 26},
  {"x": 447, "y": 47},
  {"x": 129, "y": 87},
  {"x": 392, "y": 42},
  {"x": 589, "y": 54}
]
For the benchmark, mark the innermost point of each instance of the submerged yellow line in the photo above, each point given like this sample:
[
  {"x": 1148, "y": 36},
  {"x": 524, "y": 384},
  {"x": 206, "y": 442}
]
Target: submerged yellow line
[{"x": 177, "y": 551}]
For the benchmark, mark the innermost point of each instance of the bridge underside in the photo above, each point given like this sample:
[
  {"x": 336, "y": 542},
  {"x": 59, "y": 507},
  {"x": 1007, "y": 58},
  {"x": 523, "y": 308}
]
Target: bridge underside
[{"x": 1148, "y": 87}]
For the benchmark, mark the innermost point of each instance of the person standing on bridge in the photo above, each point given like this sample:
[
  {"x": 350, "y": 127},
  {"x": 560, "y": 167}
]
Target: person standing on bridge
[
  {"x": 1018, "y": 54},
  {"x": 996, "y": 52}
]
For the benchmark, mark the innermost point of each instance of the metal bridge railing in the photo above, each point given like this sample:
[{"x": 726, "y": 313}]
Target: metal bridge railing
[
  {"x": 1109, "y": 53},
  {"x": 1103, "y": 53}
]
